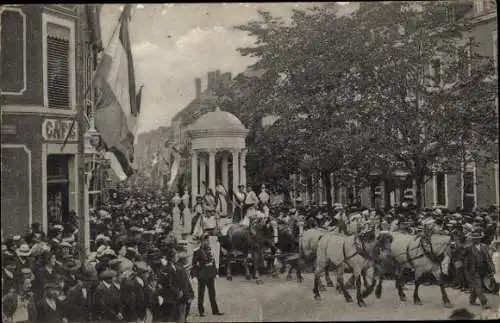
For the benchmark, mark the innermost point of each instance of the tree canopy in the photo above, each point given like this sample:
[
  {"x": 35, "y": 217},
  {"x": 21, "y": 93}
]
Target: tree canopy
[{"x": 389, "y": 86}]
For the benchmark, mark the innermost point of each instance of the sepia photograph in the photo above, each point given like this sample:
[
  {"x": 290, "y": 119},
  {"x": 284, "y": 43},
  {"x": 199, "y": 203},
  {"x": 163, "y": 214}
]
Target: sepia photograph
[{"x": 250, "y": 162}]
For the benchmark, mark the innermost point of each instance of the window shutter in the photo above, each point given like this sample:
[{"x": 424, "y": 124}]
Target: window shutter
[
  {"x": 58, "y": 67},
  {"x": 12, "y": 57}
]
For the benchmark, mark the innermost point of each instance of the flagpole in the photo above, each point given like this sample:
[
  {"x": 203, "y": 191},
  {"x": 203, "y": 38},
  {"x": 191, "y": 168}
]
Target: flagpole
[{"x": 89, "y": 86}]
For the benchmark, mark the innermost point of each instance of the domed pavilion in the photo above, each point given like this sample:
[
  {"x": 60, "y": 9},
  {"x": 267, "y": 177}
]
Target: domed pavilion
[{"x": 216, "y": 137}]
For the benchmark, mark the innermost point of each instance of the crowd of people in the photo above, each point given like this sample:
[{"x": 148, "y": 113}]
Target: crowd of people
[{"x": 138, "y": 268}]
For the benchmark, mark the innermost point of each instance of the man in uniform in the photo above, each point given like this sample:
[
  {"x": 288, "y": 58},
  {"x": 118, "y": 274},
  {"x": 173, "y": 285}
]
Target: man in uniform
[
  {"x": 478, "y": 265},
  {"x": 203, "y": 268}
]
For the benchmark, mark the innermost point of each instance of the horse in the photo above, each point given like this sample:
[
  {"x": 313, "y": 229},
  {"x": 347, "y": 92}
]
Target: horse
[
  {"x": 358, "y": 252},
  {"x": 248, "y": 239},
  {"x": 308, "y": 248},
  {"x": 423, "y": 255},
  {"x": 288, "y": 245}
]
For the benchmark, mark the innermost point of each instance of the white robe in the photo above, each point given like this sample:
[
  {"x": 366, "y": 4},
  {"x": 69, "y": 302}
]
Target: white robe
[{"x": 221, "y": 201}]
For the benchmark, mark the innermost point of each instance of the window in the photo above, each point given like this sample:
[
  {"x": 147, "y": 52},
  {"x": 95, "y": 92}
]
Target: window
[
  {"x": 436, "y": 71},
  {"x": 479, "y": 6},
  {"x": 59, "y": 60},
  {"x": 58, "y": 66},
  {"x": 13, "y": 58},
  {"x": 440, "y": 189},
  {"x": 469, "y": 196}
]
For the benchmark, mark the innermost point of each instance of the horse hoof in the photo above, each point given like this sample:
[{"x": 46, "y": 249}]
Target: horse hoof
[
  {"x": 259, "y": 282},
  {"x": 417, "y": 302},
  {"x": 448, "y": 305},
  {"x": 329, "y": 284},
  {"x": 348, "y": 300},
  {"x": 361, "y": 304},
  {"x": 378, "y": 295},
  {"x": 229, "y": 278},
  {"x": 317, "y": 297},
  {"x": 403, "y": 298},
  {"x": 322, "y": 288},
  {"x": 288, "y": 277},
  {"x": 248, "y": 277}
]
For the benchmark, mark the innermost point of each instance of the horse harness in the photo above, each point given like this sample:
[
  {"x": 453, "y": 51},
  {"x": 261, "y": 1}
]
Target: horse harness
[
  {"x": 428, "y": 252},
  {"x": 360, "y": 250}
]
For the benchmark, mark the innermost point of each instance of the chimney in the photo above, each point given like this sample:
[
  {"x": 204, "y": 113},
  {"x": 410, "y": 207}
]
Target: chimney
[
  {"x": 210, "y": 80},
  {"x": 197, "y": 83}
]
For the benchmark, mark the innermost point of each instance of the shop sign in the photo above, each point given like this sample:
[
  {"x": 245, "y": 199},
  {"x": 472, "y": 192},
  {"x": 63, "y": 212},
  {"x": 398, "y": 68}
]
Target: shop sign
[{"x": 58, "y": 130}]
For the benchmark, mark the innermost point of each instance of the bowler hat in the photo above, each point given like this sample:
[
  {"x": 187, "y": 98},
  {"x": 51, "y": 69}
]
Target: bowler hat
[
  {"x": 72, "y": 265},
  {"x": 108, "y": 274},
  {"x": 50, "y": 286},
  {"x": 477, "y": 235},
  {"x": 142, "y": 266}
]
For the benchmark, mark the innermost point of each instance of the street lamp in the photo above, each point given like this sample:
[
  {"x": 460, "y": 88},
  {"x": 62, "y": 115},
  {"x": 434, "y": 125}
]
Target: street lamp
[{"x": 92, "y": 141}]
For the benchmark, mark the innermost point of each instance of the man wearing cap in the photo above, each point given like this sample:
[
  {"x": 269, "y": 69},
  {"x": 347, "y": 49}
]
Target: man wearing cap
[
  {"x": 134, "y": 293},
  {"x": 77, "y": 306},
  {"x": 239, "y": 201},
  {"x": 70, "y": 268},
  {"x": 108, "y": 305},
  {"x": 203, "y": 268},
  {"x": 49, "y": 308},
  {"x": 478, "y": 265}
]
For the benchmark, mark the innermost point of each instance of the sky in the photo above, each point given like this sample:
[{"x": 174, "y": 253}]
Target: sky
[{"x": 172, "y": 44}]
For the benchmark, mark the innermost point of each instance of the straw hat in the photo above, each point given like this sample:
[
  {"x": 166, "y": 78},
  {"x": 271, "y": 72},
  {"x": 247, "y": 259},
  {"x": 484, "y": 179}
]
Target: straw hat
[{"x": 24, "y": 250}]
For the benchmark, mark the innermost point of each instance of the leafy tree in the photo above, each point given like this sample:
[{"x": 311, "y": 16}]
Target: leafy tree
[{"x": 419, "y": 118}]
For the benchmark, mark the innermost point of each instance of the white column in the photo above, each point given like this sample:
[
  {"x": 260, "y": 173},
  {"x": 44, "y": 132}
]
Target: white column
[
  {"x": 243, "y": 172},
  {"x": 194, "y": 176},
  {"x": 211, "y": 170},
  {"x": 203, "y": 175},
  {"x": 225, "y": 171},
  {"x": 236, "y": 175}
]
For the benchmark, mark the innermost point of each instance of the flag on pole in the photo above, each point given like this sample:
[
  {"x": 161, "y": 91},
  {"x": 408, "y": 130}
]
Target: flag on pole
[
  {"x": 138, "y": 99},
  {"x": 116, "y": 110},
  {"x": 174, "y": 170}
]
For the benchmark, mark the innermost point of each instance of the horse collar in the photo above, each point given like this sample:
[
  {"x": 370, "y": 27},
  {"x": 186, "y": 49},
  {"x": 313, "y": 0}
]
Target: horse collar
[{"x": 361, "y": 249}]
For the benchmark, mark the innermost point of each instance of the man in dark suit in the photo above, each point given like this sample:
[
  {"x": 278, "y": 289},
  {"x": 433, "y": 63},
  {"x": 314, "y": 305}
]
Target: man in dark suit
[
  {"x": 108, "y": 304},
  {"x": 134, "y": 293},
  {"x": 203, "y": 268},
  {"x": 478, "y": 265},
  {"x": 77, "y": 306}
]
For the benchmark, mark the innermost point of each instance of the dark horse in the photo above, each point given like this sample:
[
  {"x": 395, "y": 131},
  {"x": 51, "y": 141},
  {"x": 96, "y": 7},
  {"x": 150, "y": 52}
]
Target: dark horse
[
  {"x": 253, "y": 239},
  {"x": 289, "y": 249}
]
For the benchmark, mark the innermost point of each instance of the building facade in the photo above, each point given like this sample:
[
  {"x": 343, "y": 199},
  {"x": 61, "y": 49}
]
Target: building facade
[{"x": 45, "y": 71}]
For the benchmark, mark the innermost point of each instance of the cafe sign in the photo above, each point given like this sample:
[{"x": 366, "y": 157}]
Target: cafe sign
[{"x": 59, "y": 129}]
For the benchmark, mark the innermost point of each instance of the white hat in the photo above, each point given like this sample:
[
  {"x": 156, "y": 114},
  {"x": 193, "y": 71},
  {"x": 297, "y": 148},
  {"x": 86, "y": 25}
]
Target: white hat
[
  {"x": 428, "y": 221},
  {"x": 365, "y": 213}
]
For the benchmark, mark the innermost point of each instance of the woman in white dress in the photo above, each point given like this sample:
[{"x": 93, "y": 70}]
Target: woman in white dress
[{"x": 220, "y": 195}]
